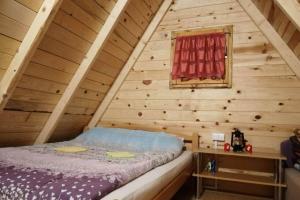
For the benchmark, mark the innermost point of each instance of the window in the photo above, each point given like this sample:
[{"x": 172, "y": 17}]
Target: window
[{"x": 202, "y": 58}]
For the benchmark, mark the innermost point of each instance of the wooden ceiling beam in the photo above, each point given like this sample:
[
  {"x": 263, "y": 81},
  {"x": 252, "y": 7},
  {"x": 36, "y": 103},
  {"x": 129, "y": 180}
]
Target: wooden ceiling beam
[
  {"x": 291, "y": 9},
  {"x": 82, "y": 70},
  {"x": 129, "y": 64},
  {"x": 30, "y": 43},
  {"x": 275, "y": 39}
]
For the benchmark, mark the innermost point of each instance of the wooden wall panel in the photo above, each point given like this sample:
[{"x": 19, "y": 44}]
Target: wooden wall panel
[
  {"x": 70, "y": 127},
  {"x": 22, "y": 128},
  {"x": 263, "y": 101},
  {"x": 15, "y": 19},
  {"x": 31, "y": 4}
]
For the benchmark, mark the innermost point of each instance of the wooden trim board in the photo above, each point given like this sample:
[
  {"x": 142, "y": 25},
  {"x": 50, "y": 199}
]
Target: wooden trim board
[
  {"x": 240, "y": 178},
  {"x": 271, "y": 34},
  {"x": 130, "y": 62},
  {"x": 217, "y": 195},
  {"x": 27, "y": 48},
  {"x": 82, "y": 70},
  {"x": 274, "y": 156}
]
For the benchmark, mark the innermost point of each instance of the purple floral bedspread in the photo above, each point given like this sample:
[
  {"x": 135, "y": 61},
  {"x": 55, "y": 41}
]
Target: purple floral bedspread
[{"x": 39, "y": 172}]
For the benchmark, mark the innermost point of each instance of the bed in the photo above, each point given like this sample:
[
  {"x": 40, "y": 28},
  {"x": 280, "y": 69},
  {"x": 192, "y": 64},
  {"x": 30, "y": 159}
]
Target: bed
[{"x": 101, "y": 163}]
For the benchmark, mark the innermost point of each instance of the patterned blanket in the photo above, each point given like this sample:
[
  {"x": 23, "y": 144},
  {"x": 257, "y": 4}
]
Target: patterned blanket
[{"x": 40, "y": 172}]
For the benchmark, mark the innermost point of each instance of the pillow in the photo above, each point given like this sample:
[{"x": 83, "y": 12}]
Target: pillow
[{"x": 130, "y": 140}]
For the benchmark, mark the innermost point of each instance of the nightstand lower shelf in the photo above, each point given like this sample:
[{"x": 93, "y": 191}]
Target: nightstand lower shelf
[{"x": 241, "y": 178}]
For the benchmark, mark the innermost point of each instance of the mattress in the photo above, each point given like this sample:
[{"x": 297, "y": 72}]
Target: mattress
[
  {"x": 90, "y": 166},
  {"x": 147, "y": 186},
  {"x": 43, "y": 172}
]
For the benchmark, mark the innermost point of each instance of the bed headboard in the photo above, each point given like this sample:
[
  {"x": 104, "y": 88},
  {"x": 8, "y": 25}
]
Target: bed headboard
[{"x": 193, "y": 140}]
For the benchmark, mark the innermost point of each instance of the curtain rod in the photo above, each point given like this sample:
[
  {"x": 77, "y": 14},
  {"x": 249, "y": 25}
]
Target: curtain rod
[{"x": 172, "y": 38}]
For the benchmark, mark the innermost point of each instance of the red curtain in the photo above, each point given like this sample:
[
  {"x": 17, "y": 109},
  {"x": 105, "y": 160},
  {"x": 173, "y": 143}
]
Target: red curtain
[{"x": 199, "y": 57}]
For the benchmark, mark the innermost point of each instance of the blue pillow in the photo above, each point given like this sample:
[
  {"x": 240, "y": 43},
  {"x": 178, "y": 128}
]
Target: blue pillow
[{"x": 130, "y": 140}]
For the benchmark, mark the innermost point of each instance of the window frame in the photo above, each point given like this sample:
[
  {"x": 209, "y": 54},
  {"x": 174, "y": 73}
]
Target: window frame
[{"x": 206, "y": 83}]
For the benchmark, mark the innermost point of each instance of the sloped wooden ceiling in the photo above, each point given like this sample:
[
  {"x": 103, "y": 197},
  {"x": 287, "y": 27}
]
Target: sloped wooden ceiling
[
  {"x": 15, "y": 20},
  {"x": 284, "y": 16},
  {"x": 264, "y": 101},
  {"x": 58, "y": 56}
]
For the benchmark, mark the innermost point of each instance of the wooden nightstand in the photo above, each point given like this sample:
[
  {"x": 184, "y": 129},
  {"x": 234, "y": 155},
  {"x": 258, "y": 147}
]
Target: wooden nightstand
[{"x": 239, "y": 173}]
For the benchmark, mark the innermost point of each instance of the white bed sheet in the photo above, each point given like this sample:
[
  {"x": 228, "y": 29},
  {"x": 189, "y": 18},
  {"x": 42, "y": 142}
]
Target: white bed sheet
[{"x": 150, "y": 184}]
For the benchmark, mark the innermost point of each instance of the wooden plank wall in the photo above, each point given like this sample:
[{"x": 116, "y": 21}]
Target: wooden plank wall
[
  {"x": 61, "y": 51},
  {"x": 281, "y": 23},
  {"x": 115, "y": 53},
  {"x": 16, "y": 17},
  {"x": 264, "y": 101},
  {"x": 52, "y": 66}
]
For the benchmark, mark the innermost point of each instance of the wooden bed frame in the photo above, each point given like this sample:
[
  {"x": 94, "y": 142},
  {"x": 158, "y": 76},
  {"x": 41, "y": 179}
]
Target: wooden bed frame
[
  {"x": 191, "y": 143},
  {"x": 173, "y": 186}
]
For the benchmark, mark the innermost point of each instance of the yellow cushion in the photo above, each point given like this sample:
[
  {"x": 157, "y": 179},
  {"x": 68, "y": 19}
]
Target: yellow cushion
[
  {"x": 71, "y": 149},
  {"x": 120, "y": 154}
]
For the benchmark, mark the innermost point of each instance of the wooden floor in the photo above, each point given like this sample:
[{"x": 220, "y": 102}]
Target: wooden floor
[
  {"x": 187, "y": 192},
  {"x": 214, "y": 195}
]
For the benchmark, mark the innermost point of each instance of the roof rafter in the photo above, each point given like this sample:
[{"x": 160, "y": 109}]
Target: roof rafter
[
  {"x": 27, "y": 48},
  {"x": 82, "y": 71},
  {"x": 271, "y": 34},
  {"x": 130, "y": 62}
]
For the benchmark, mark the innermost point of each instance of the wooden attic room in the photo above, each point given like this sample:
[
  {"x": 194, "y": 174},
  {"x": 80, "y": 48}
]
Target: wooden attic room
[{"x": 149, "y": 99}]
